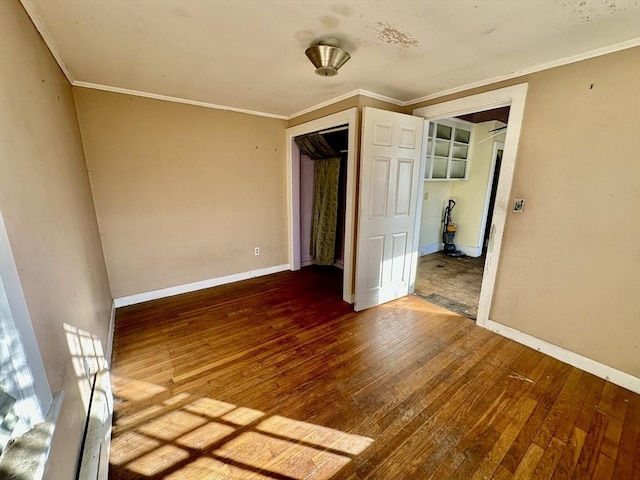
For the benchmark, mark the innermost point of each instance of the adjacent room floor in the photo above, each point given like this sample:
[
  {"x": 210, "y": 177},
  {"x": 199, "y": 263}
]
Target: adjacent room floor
[
  {"x": 277, "y": 378},
  {"x": 452, "y": 283}
]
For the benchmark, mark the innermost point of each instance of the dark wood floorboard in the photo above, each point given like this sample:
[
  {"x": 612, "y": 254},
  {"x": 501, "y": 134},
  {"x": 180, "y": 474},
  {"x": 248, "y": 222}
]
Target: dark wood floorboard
[{"x": 277, "y": 378}]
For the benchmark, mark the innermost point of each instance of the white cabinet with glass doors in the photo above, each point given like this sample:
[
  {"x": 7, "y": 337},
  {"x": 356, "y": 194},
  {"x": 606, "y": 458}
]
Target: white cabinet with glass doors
[{"x": 448, "y": 150}]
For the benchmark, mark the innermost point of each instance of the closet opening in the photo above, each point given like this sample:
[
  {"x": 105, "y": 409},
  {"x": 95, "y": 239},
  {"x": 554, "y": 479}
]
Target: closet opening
[
  {"x": 323, "y": 163},
  {"x": 333, "y": 129}
]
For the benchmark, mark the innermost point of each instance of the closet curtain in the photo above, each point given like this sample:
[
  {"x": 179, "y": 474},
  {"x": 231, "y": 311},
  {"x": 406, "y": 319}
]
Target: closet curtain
[{"x": 325, "y": 196}]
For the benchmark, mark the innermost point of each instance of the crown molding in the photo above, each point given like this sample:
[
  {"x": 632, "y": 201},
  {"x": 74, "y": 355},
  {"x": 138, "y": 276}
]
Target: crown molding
[
  {"x": 383, "y": 98},
  {"x": 166, "y": 98},
  {"x": 32, "y": 11},
  {"x": 318, "y": 106},
  {"x": 350, "y": 94},
  {"x": 527, "y": 71}
]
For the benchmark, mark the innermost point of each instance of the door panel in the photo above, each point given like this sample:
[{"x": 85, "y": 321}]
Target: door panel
[
  {"x": 389, "y": 179},
  {"x": 404, "y": 187},
  {"x": 398, "y": 249},
  {"x": 379, "y": 187},
  {"x": 382, "y": 134},
  {"x": 374, "y": 262}
]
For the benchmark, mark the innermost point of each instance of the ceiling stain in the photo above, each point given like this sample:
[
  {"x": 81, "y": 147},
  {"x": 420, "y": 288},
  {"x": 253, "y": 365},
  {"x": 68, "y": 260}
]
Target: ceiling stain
[
  {"x": 304, "y": 36},
  {"x": 329, "y": 21},
  {"x": 342, "y": 9},
  {"x": 387, "y": 33},
  {"x": 611, "y": 6},
  {"x": 589, "y": 10},
  {"x": 489, "y": 31}
]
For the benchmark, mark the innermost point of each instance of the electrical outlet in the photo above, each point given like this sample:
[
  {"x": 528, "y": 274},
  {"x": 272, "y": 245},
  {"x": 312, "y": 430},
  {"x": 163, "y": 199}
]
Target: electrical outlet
[
  {"x": 518, "y": 205},
  {"x": 426, "y": 195},
  {"x": 256, "y": 251}
]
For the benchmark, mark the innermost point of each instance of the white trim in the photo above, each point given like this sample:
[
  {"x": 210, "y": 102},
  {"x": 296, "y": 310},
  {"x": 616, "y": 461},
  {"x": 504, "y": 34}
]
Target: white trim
[
  {"x": 94, "y": 462},
  {"x": 469, "y": 251},
  {"x": 598, "y": 369},
  {"x": 431, "y": 248},
  {"x": 487, "y": 198},
  {"x": 192, "y": 287},
  {"x": 350, "y": 118},
  {"x": 352, "y": 93},
  {"x": 515, "y": 96},
  {"x": 33, "y": 395},
  {"x": 112, "y": 326},
  {"x": 32, "y": 11},
  {"x": 415, "y": 248},
  {"x": 528, "y": 71},
  {"x": 384, "y": 98},
  {"x": 166, "y": 98}
]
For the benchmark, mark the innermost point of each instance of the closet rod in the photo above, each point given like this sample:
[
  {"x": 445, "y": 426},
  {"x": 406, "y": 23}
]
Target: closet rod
[{"x": 331, "y": 130}]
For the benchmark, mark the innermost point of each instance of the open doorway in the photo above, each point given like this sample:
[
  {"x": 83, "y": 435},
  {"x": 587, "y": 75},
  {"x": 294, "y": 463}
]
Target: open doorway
[
  {"x": 458, "y": 208},
  {"x": 337, "y": 121},
  {"x": 323, "y": 183}
]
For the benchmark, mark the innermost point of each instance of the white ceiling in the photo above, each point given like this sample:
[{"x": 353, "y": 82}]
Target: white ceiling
[{"x": 249, "y": 54}]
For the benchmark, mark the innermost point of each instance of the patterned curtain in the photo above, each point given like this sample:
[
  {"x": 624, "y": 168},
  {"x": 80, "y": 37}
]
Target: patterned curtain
[
  {"x": 325, "y": 210},
  {"x": 325, "y": 196}
]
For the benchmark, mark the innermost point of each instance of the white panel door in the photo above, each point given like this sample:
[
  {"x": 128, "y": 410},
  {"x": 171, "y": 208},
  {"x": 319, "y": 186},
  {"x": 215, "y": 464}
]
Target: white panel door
[{"x": 389, "y": 180}]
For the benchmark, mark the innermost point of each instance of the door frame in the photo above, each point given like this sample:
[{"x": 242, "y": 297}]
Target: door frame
[
  {"x": 346, "y": 117},
  {"x": 515, "y": 97},
  {"x": 487, "y": 200}
]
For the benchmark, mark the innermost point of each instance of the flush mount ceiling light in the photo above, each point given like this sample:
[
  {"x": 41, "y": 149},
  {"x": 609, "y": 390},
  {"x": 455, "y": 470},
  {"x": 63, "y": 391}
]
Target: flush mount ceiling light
[{"x": 327, "y": 58}]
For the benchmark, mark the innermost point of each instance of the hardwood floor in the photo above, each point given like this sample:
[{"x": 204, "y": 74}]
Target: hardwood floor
[{"x": 277, "y": 378}]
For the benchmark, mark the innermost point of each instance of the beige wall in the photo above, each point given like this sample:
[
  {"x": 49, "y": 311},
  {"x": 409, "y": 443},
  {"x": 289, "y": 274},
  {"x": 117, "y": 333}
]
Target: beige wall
[
  {"x": 438, "y": 194},
  {"x": 183, "y": 193},
  {"x": 46, "y": 203},
  {"x": 568, "y": 273},
  {"x": 470, "y": 194}
]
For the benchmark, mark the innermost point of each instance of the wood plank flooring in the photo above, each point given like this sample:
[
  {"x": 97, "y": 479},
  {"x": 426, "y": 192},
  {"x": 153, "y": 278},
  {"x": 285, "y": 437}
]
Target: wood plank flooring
[
  {"x": 277, "y": 378},
  {"x": 450, "y": 282}
]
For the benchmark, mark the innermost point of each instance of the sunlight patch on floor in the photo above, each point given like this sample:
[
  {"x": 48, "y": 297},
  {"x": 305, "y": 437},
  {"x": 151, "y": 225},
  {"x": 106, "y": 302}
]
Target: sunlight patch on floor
[
  {"x": 185, "y": 436},
  {"x": 320, "y": 436},
  {"x": 280, "y": 456}
]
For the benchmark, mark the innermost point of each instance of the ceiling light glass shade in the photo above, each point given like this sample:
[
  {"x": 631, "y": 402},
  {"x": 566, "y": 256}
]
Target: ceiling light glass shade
[{"x": 327, "y": 59}]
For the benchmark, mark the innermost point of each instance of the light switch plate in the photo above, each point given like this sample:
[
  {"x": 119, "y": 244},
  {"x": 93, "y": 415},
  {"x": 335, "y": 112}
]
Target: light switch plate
[{"x": 518, "y": 205}]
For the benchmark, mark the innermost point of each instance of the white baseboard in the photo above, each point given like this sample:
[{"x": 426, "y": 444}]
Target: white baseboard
[
  {"x": 112, "y": 325},
  {"x": 432, "y": 248},
  {"x": 574, "y": 359},
  {"x": 469, "y": 251},
  {"x": 192, "y": 287},
  {"x": 437, "y": 247}
]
